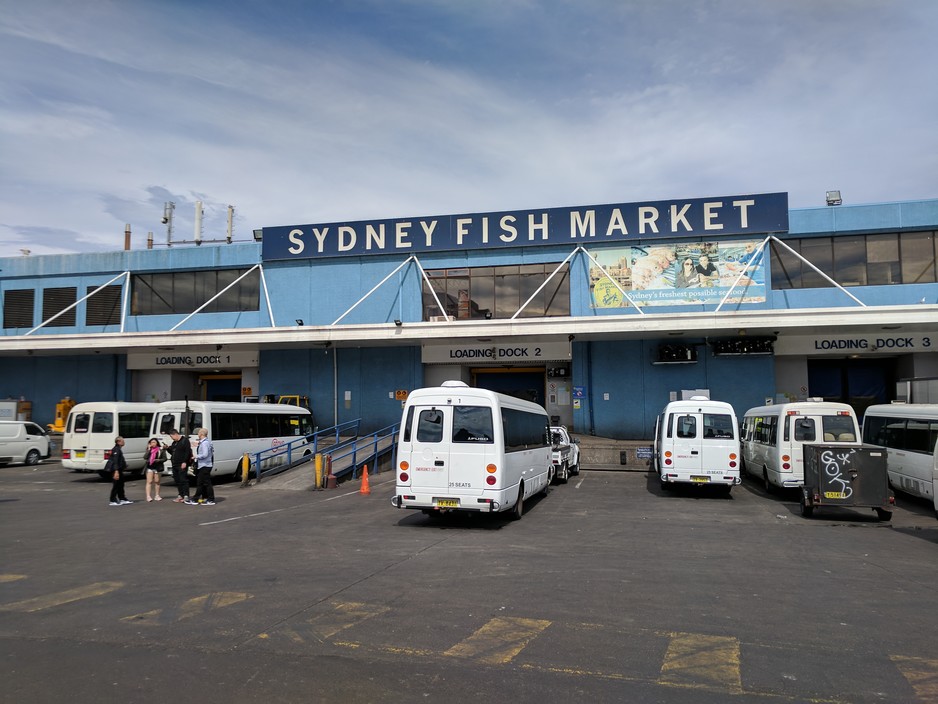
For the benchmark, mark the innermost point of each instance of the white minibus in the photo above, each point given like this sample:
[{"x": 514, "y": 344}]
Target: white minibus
[
  {"x": 466, "y": 449},
  {"x": 697, "y": 442},
  {"x": 773, "y": 437},
  {"x": 91, "y": 428},
  {"x": 235, "y": 429},
  {"x": 909, "y": 432}
]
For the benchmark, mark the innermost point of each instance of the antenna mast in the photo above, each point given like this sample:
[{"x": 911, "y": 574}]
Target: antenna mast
[{"x": 169, "y": 208}]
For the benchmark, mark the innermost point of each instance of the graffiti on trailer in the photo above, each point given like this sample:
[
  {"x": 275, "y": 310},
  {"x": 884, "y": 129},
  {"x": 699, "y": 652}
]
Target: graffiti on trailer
[{"x": 834, "y": 465}]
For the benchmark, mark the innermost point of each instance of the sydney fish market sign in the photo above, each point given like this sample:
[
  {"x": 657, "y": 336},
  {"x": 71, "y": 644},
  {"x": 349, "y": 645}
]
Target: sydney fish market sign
[{"x": 587, "y": 225}]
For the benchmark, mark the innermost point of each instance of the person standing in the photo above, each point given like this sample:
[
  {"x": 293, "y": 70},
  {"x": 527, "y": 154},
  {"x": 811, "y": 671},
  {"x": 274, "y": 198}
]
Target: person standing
[
  {"x": 116, "y": 464},
  {"x": 204, "y": 459},
  {"x": 180, "y": 455},
  {"x": 153, "y": 459}
]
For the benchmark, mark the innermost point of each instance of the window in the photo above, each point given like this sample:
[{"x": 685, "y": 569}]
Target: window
[
  {"x": 182, "y": 292},
  {"x": 857, "y": 260},
  {"x": 497, "y": 292},
  {"x": 18, "y": 308},
  {"x": 718, "y": 425},
  {"x": 134, "y": 425},
  {"x": 524, "y": 430},
  {"x": 102, "y": 422},
  {"x": 430, "y": 426},
  {"x": 686, "y": 427},
  {"x": 473, "y": 424},
  {"x": 54, "y": 301},
  {"x": 805, "y": 430},
  {"x": 838, "y": 428},
  {"x": 104, "y": 307}
]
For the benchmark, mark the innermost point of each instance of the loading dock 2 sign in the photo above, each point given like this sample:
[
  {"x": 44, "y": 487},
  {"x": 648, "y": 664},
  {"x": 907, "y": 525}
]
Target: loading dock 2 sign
[{"x": 527, "y": 352}]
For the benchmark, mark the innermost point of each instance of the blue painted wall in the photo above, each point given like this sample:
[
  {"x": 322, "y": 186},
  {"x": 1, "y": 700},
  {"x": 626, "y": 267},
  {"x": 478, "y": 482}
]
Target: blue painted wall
[{"x": 47, "y": 380}]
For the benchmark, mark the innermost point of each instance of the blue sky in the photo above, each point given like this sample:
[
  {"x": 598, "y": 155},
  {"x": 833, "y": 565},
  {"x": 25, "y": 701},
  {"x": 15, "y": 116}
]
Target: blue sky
[{"x": 306, "y": 112}]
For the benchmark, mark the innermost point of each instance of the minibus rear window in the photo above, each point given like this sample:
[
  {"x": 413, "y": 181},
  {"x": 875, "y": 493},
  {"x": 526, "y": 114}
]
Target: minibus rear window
[
  {"x": 686, "y": 427},
  {"x": 718, "y": 426},
  {"x": 473, "y": 424},
  {"x": 430, "y": 426}
]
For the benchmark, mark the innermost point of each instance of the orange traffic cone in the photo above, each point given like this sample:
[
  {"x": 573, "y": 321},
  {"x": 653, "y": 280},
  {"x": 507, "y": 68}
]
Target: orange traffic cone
[{"x": 366, "y": 488}]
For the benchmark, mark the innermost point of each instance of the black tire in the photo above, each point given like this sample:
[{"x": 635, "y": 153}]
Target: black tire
[
  {"x": 518, "y": 509},
  {"x": 806, "y": 511},
  {"x": 32, "y": 457},
  {"x": 728, "y": 489},
  {"x": 665, "y": 486},
  {"x": 563, "y": 475},
  {"x": 883, "y": 515},
  {"x": 769, "y": 487}
]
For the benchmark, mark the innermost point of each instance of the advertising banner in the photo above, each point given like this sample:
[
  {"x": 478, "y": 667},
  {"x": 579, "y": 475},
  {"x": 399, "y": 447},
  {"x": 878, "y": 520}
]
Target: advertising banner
[{"x": 676, "y": 274}]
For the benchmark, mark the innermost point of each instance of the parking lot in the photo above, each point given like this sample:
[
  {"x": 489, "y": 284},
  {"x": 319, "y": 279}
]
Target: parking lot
[{"x": 608, "y": 589}]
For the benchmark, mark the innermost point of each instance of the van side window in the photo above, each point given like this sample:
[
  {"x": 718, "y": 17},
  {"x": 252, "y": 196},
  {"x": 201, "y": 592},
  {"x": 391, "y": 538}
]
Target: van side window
[
  {"x": 430, "y": 426},
  {"x": 473, "y": 424},
  {"x": 167, "y": 423},
  {"x": 686, "y": 427},
  {"x": 804, "y": 429}
]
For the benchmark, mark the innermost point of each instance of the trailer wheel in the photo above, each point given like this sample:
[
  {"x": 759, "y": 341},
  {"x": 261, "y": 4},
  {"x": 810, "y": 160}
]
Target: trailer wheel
[
  {"x": 883, "y": 514},
  {"x": 806, "y": 510}
]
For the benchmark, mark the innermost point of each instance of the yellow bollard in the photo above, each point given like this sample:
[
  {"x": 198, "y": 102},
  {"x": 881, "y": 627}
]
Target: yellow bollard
[
  {"x": 318, "y": 471},
  {"x": 245, "y": 469}
]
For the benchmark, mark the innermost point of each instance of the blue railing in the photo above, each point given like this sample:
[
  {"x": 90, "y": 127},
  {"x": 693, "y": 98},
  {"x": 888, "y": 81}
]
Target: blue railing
[
  {"x": 362, "y": 449},
  {"x": 274, "y": 460}
]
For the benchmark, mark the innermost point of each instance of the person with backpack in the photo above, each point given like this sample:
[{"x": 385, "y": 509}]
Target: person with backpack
[
  {"x": 204, "y": 460},
  {"x": 116, "y": 464},
  {"x": 180, "y": 455}
]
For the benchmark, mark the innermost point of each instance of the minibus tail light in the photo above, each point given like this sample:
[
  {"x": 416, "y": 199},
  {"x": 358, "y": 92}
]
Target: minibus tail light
[
  {"x": 732, "y": 455},
  {"x": 404, "y": 477},
  {"x": 66, "y": 454},
  {"x": 490, "y": 480},
  {"x": 405, "y": 465},
  {"x": 786, "y": 458},
  {"x": 491, "y": 468}
]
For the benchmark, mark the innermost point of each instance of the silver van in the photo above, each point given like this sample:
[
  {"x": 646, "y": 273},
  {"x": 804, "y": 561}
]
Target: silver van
[{"x": 22, "y": 441}]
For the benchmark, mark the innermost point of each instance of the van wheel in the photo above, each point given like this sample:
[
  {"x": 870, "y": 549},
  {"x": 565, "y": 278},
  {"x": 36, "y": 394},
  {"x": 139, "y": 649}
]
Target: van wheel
[
  {"x": 883, "y": 515},
  {"x": 575, "y": 469},
  {"x": 563, "y": 475},
  {"x": 769, "y": 488},
  {"x": 518, "y": 510},
  {"x": 32, "y": 457}
]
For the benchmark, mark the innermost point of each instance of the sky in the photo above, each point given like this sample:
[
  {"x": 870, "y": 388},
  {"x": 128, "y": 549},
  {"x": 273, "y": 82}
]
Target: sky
[{"x": 301, "y": 112}]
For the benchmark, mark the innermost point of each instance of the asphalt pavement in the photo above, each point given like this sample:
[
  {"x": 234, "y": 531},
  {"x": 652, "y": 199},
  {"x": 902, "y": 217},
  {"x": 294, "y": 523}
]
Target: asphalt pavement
[{"x": 607, "y": 590}]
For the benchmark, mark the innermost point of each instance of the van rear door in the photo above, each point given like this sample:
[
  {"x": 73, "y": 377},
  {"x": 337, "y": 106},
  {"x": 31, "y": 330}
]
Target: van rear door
[
  {"x": 429, "y": 449},
  {"x": 686, "y": 442}
]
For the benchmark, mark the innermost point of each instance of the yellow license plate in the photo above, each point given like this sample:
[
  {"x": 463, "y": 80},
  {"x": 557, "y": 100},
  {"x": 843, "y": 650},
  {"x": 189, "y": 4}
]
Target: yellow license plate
[
  {"x": 447, "y": 503},
  {"x": 834, "y": 495},
  {"x": 80, "y": 454},
  {"x": 699, "y": 479}
]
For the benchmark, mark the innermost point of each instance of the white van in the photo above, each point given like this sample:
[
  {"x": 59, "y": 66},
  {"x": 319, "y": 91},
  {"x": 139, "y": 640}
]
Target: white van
[
  {"x": 466, "y": 449},
  {"x": 697, "y": 442},
  {"x": 773, "y": 437},
  {"x": 91, "y": 428},
  {"x": 22, "y": 441},
  {"x": 909, "y": 432}
]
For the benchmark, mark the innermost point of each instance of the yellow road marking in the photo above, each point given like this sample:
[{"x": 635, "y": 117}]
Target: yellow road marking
[
  {"x": 216, "y": 600},
  {"x": 148, "y": 618},
  {"x": 11, "y": 577},
  {"x": 69, "y": 595},
  {"x": 922, "y": 674},
  {"x": 695, "y": 660},
  {"x": 344, "y": 615},
  {"x": 499, "y": 640}
]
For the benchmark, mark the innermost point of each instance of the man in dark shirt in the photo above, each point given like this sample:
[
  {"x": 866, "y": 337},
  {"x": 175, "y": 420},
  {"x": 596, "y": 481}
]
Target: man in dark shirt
[{"x": 180, "y": 455}]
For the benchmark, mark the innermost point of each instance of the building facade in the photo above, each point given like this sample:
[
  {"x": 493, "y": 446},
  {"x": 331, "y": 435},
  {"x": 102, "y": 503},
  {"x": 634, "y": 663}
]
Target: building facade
[{"x": 601, "y": 313}]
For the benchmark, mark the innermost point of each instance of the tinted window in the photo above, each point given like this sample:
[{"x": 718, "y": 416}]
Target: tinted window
[
  {"x": 524, "y": 430},
  {"x": 102, "y": 423},
  {"x": 430, "y": 426},
  {"x": 686, "y": 427},
  {"x": 134, "y": 425},
  {"x": 473, "y": 424},
  {"x": 82, "y": 422},
  {"x": 839, "y": 428},
  {"x": 804, "y": 429},
  {"x": 718, "y": 425}
]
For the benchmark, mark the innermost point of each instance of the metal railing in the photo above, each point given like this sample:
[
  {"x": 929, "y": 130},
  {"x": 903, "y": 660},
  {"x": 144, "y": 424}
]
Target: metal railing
[
  {"x": 362, "y": 449},
  {"x": 274, "y": 460}
]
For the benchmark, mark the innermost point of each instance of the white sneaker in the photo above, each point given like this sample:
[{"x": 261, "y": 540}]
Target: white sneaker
[
  {"x": 114, "y": 503},
  {"x": 126, "y": 501}
]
